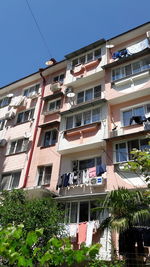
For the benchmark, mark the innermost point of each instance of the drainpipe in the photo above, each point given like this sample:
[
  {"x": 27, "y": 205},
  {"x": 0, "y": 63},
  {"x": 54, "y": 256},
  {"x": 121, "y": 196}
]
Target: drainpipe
[{"x": 35, "y": 131}]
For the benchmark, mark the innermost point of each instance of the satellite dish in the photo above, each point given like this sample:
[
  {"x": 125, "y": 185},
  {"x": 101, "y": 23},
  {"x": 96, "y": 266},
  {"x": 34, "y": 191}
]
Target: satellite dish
[
  {"x": 27, "y": 135},
  {"x": 69, "y": 92}
]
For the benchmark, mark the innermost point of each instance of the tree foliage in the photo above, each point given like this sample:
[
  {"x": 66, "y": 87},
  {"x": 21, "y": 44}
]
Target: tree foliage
[
  {"x": 19, "y": 247},
  {"x": 126, "y": 208},
  {"x": 43, "y": 213},
  {"x": 140, "y": 163}
]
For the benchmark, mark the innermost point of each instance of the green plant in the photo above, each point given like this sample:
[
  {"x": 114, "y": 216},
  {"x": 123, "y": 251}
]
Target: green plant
[{"x": 19, "y": 247}]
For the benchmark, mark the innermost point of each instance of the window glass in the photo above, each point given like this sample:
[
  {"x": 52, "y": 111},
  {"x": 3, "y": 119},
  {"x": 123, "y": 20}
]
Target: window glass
[
  {"x": 74, "y": 210},
  {"x": 136, "y": 67},
  {"x": 78, "y": 120},
  {"x": 88, "y": 94},
  {"x": 96, "y": 114},
  {"x": 97, "y": 53},
  {"x": 82, "y": 60},
  {"x": 139, "y": 111},
  {"x": 12, "y": 147},
  {"x": 126, "y": 117},
  {"x": 67, "y": 212},
  {"x": 47, "y": 138},
  {"x": 97, "y": 91},
  {"x": 61, "y": 77},
  {"x": 58, "y": 103},
  {"x": 69, "y": 123},
  {"x": 84, "y": 211},
  {"x": 89, "y": 57},
  {"x": 19, "y": 147},
  {"x": 145, "y": 63},
  {"x": 5, "y": 181},
  {"x": 52, "y": 106},
  {"x": 2, "y": 122},
  {"x": 86, "y": 164},
  {"x": 93, "y": 213},
  {"x": 54, "y": 137},
  {"x": 15, "y": 180},
  {"x": 145, "y": 144},
  {"x": 133, "y": 144},
  {"x": 75, "y": 62},
  {"x": 148, "y": 108},
  {"x": 117, "y": 74},
  {"x": 121, "y": 153},
  {"x": 47, "y": 174},
  {"x": 80, "y": 98},
  {"x": 40, "y": 175},
  {"x": 128, "y": 70},
  {"x": 87, "y": 117}
]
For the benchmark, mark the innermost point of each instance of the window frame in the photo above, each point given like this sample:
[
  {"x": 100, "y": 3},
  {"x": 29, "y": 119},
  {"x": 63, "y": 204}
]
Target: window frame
[
  {"x": 31, "y": 112},
  {"x": 68, "y": 220},
  {"x": 84, "y": 94},
  {"x": 121, "y": 69},
  {"x": 24, "y": 146},
  {"x": 55, "y": 109},
  {"x": 79, "y": 61},
  {"x": 83, "y": 112},
  {"x": 36, "y": 90},
  {"x": 127, "y": 149},
  {"x": 51, "y": 131},
  {"x": 43, "y": 175},
  {"x": 4, "y": 101},
  {"x": 144, "y": 105},
  {"x": 11, "y": 179},
  {"x": 59, "y": 78}
]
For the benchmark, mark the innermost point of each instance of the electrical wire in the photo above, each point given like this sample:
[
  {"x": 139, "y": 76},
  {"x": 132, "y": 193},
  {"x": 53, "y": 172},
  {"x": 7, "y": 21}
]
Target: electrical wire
[{"x": 39, "y": 30}]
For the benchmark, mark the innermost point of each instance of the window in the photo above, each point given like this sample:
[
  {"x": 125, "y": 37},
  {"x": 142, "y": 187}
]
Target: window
[
  {"x": 130, "y": 69},
  {"x": 89, "y": 163},
  {"x": 87, "y": 57},
  {"x": 81, "y": 211},
  {"x": 10, "y": 180},
  {"x": 137, "y": 111},
  {"x": 31, "y": 90},
  {"x": 5, "y": 102},
  {"x": 82, "y": 119},
  {"x": 52, "y": 106},
  {"x": 123, "y": 150},
  {"x": 2, "y": 123},
  {"x": 89, "y": 94},
  {"x": 18, "y": 146},
  {"x": 44, "y": 175},
  {"x": 59, "y": 78},
  {"x": 25, "y": 116},
  {"x": 50, "y": 138}
]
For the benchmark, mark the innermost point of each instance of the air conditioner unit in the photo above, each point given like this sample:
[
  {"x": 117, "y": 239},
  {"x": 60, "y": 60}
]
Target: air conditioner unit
[
  {"x": 10, "y": 115},
  {"x": 3, "y": 142},
  {"x": 55, "y": 86},
  {"x": 116, "y": 132},
  {"x": 33, "y": 95},
  {"x": 96, "y": 181}
]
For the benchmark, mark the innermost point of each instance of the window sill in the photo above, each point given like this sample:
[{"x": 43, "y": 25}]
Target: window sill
[
  {"x": 45, "y": 113},
  {"x": 82, "y": 129},
  {"x": 7, "y": 155},
  {"x": 23, "y": 122},
  {"x": 42, "y": 147}
]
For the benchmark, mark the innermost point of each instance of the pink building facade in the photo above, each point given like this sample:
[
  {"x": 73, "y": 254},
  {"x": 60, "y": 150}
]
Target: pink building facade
[{"x": 67, "y": 130}]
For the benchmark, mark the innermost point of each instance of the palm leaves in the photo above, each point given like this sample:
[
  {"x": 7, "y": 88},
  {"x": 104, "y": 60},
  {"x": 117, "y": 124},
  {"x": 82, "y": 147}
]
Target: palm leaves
[{"x": 127, "y": 208}]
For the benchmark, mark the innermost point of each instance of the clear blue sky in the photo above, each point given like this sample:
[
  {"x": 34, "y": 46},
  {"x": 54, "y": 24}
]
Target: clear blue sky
[{"x": 67, "y": 25}]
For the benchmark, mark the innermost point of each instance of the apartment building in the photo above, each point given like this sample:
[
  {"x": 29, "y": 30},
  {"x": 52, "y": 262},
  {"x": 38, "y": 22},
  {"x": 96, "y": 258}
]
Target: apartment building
[{"x": 66, "y": 130}]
